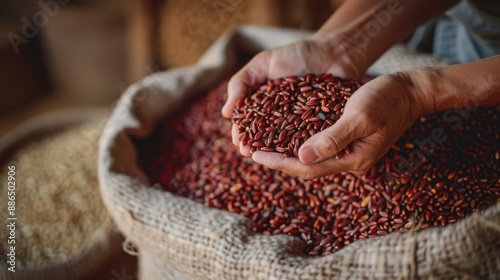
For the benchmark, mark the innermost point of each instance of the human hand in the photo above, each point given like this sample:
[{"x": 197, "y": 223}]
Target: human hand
[
  {"x": 314, "y": 55},
  {"x": 373, "y": 119}
]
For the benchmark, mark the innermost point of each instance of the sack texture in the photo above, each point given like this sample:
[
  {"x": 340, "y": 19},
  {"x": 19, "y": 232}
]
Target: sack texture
[{"x": 177, "y": 238}]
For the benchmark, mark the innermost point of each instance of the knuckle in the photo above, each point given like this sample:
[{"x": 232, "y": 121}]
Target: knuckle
[
  {"x": 331, "y": 145},
  {"x": 235, "y": 79},
  {"x": 361, "y": 171},
  {"x": 260, "y": 56},
  {"x": 364, "y": 117},
  {"x": 362, "y": 168},
  {"x": 308, "y": 176}
]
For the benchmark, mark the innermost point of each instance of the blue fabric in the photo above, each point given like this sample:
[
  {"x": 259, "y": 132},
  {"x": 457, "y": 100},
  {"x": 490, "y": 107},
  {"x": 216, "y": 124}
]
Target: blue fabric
[{"x": 463, "y": 34}]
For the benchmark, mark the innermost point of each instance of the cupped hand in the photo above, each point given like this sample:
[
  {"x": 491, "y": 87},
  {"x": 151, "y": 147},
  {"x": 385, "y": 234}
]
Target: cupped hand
[
  {"x": 373, "y": 119},
  {"x": 300, "y": 58}
]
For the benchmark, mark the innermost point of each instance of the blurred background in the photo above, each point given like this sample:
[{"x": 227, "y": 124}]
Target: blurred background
[
  {"x": 72, "y": 53},
  {"x": 58, "y": 54}
]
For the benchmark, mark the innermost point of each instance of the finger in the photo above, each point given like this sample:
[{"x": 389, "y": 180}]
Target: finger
[
  {"x": 256, "y": 71},
  {"x": 235, "y": 135},
  {"x": 235, "y": 89},
  {"x": 294, "y": 166},
  {"x": 328, "y": 143},
  {"x": 245, "y": 150}
]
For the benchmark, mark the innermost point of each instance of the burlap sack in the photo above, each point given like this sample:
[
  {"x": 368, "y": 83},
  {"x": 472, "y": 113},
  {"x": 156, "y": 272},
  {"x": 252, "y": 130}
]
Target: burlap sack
[
  {"x": 177, "y": 238},
  {"x": 105, "y": 244}
]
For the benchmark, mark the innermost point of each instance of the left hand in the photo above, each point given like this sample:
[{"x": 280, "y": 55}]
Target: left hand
[{"x": 313, "y": 55}]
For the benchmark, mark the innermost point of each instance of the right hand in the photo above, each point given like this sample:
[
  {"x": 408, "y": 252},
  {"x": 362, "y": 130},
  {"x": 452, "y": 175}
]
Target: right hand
[
  {"x": 315, "y": 55},
  {"x": 373, "y": 119}
]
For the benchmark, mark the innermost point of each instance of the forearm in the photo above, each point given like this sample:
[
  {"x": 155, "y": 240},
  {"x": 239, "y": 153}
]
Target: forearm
[
  {"x": 465, "y": 85},
  {"x": 372, "y": 27}
]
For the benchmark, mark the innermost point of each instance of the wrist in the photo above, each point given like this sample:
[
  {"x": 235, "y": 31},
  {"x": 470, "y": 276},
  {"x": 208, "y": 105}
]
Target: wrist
[
  {"x": 343, "y": 51},
  {"x": 429, "y": 89},
  {"x": 415, "y": 89}
]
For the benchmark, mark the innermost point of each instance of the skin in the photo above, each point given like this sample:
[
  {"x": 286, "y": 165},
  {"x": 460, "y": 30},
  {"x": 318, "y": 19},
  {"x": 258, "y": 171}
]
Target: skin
[{"x": 381, "y": 110}]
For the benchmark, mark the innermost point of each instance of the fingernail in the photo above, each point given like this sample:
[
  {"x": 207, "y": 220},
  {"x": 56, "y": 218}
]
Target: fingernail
[{"x": 309, "y": 155}]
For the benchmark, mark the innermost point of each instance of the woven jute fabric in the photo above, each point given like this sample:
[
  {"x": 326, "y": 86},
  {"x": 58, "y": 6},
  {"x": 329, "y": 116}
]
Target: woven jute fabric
[{"x": 177, "y": 238}]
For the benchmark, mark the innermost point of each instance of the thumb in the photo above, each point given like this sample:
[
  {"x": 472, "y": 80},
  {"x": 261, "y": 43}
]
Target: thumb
[{"x": 331, "y": 141}]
